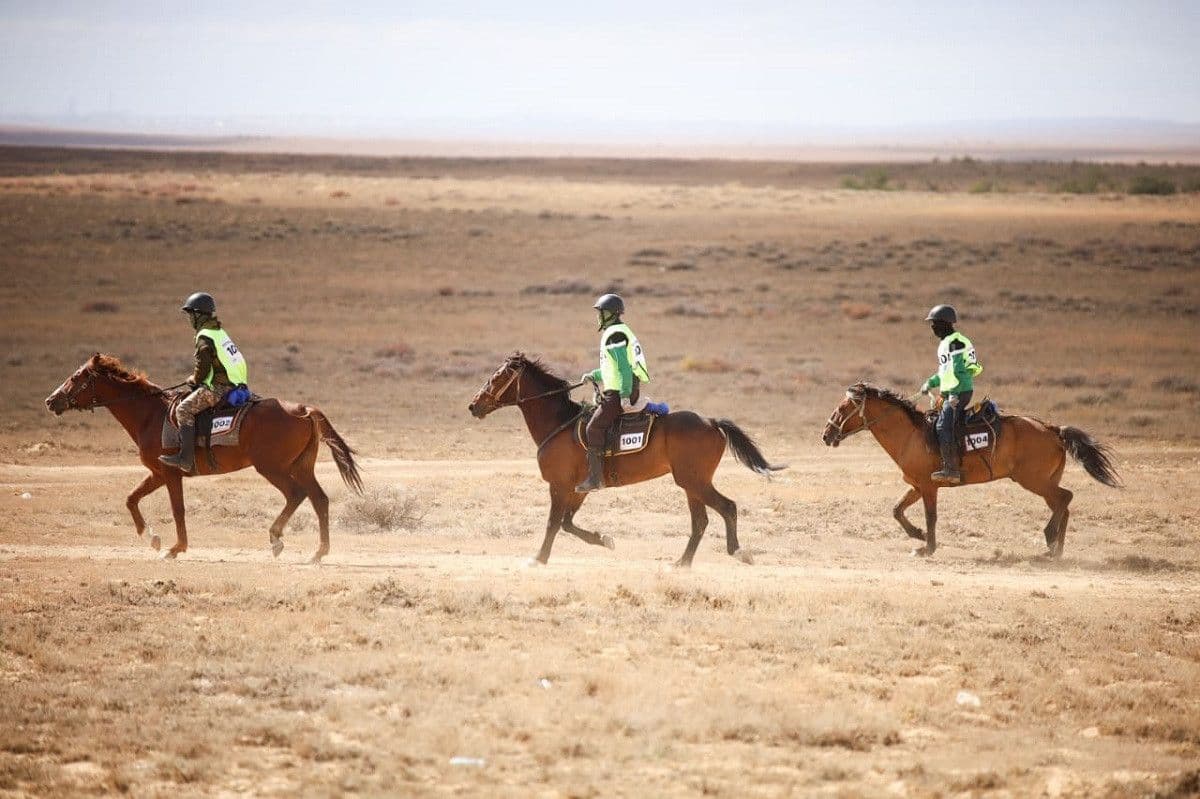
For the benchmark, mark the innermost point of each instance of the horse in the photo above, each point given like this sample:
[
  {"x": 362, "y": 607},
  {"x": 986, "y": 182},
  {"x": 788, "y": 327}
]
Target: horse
[
  {"x": 684, "y": 444},
  {"x": 1030, "y": 452},
  {"x": 279, "y": 439}
]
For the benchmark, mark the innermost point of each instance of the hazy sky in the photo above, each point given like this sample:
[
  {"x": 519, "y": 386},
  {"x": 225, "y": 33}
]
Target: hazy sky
[{"x": 566, "y": 68}]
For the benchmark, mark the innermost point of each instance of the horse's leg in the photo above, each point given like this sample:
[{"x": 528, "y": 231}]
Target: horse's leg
[
  {"x": 1056, "y": 529},
  {"x": 557, "y": 506},
  {"x": 293, "y": 494},
  {"x": 929, "y": 497},
  {"x": 728, "y": 510},
  {"x": 573, "y": 501},
  {"x": 898, "y": 513},
  {"x": 699, "y": 522},
  {"x": 320, "y": 502},
  {"x": 151, "y": 483},
  {"x": 174, "y": 481}
]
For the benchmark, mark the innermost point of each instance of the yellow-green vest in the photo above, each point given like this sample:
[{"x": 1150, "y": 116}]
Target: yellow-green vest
[{"x": 228, "y": 354}]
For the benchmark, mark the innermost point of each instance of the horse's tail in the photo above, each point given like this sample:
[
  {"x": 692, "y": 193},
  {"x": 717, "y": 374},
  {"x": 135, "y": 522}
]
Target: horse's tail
[
  {"x": 343, "y": 455},
  {"x": 744, "y": 448},
  {"x": 1095, "y": 458}
]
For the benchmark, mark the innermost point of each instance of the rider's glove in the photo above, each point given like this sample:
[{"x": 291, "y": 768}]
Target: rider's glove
[{"x": 925, "y": 387}]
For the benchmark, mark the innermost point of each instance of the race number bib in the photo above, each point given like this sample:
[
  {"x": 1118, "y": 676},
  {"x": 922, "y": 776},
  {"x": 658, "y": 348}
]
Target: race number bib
[
  {"x": 222, "y": 424},
  {"x": 235, "y": 355},
  {"x": 976, "y": 441},
  {"x": 631, "y": 441}
]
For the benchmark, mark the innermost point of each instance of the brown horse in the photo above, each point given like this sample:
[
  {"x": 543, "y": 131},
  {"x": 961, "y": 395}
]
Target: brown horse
[
  {"x": 1029, "y": 451},
  {"x": 683, "y": 444},
  {"x": 279, "y": 439}
]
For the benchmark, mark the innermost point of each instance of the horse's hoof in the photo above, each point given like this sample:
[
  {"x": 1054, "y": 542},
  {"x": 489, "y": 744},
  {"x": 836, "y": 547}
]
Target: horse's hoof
[
  {"x": 277, "y": 547},
  {"x": 533, "y": 563},
  {"x": 921, "y": 552},
  {"x": 169, "y": 555},
  {"x": 607, "y": 542},
  {"x": 315, "y": 560},
  {"x": 744, "y": 556},
  {"x": 155, "y": 542},
  {"x": 682, "y": 564}
]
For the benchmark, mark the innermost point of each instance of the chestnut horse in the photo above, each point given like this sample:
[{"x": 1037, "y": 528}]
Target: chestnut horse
[
  {"x": 684, "y": 444},
  {"x": 1028, "y": 451},
  {"x": 279, "y": 439}
]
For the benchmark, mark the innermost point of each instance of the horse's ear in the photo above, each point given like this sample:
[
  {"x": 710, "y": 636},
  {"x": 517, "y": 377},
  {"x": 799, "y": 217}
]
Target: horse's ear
[{"x": 94, "y": 359}]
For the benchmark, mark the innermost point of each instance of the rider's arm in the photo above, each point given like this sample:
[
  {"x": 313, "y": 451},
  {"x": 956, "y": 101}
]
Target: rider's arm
[
  {"x": 620, "y": 355},
  {"x": 204, "y": 358}
]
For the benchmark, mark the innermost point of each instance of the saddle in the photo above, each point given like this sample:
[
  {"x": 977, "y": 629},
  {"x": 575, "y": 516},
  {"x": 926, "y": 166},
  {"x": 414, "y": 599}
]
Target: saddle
[
  {"x": 978, "y": 431},
  {"x": 218, "y": 426},
  {"x": 630, "y": 433}
]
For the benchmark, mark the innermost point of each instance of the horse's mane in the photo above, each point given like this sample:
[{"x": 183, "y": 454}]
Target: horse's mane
[
  {"x": 538, "y": 370},
  {"x": 862, "y": 390},
  {"x": 111, "y": 366}
]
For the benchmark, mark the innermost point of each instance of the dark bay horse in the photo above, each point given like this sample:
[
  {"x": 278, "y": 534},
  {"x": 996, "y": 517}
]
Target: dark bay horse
[
  {"x": 279, "y": 439},
  {"x": 1028, "y": 451},
  {"x": 684, "y": 444}
]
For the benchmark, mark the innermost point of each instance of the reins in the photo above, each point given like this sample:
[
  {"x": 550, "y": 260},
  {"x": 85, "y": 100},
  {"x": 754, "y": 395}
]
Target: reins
[
  {"x": 94, "y": 404},
  {"x": 860, "y": 407}
]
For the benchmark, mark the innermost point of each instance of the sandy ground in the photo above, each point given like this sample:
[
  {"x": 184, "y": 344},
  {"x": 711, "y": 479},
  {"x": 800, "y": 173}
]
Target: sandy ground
[{"x": 836, "y": 665}]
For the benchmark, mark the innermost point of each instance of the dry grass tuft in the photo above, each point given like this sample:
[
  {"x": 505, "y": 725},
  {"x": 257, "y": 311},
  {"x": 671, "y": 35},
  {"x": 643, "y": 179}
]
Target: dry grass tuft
[
  {"x": 100, "y": 306},
  {"x": 382, "y": 510},
  {"x": 857, "y": 310},
  {"x": 709, "y": 366}
]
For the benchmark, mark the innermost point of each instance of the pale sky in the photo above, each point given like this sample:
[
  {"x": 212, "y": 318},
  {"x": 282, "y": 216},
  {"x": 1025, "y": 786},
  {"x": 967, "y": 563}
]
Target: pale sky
[{"x": 578, "y": 69}]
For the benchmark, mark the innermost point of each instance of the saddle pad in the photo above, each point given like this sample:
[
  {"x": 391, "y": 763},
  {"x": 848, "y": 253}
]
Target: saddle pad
[
  {"x": 629, "y": 434},
  {"x": 224, "y": 430}
]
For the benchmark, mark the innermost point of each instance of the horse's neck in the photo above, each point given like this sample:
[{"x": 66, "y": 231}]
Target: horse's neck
[
  {"x": 546, "y": 413},
  {"x": 891, "y": 426},
  {"x": 130, "y": 406}
]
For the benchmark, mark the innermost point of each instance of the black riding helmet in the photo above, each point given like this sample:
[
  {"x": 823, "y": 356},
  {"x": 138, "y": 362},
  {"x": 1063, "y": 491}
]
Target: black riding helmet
[
  {"x": 610, "y": 306},
  {"x": 942, "y": 313},
  {"x": 611, "y": 303},
  {"x": 200, "y": 303}
]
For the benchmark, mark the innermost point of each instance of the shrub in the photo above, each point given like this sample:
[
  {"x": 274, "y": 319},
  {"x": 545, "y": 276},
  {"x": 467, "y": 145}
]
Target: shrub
[
  {"x": 1092, "y": 179},
  {"x": 857, "y": 310},
  {"x": 100, "y": 306},
  {"x": 874, "y": 179},
  {"x": 398, "y": 351},
  {"x": 985, "y": 186},
  {"x": 1151, "y": 184},
  {"x": 382, "y": 510}
]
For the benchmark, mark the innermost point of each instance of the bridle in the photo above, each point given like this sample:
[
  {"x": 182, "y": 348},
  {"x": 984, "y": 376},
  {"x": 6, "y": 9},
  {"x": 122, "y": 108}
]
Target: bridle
[
  {"x": 95, "y": 403},
  {"x": 517, "y": 371},
  {"x": 79, "y": 389},
  {"x": 860, "y": 410}
]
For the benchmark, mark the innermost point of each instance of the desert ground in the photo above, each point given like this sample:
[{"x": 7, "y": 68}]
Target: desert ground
[{"x": 424, "y": 657}]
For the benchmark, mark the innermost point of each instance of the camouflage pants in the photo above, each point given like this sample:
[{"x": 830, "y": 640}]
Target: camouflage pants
[{"x": 199, "y": 400}]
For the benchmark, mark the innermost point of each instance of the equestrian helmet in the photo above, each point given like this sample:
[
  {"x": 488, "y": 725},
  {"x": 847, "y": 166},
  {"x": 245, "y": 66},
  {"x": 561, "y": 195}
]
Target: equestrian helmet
[
  {"x": 942, "y": 313},
  {"x": 610, "y": 302},
  {"x": 200, "y": 303}
]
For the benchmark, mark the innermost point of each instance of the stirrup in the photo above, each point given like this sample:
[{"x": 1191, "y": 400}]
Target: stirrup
[{"x": 944, "y": 475}]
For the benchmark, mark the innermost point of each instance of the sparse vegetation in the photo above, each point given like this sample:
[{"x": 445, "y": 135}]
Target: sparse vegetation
[
  {"x": 382, "y": 510},
  {"x": 1151, "y": 184}
]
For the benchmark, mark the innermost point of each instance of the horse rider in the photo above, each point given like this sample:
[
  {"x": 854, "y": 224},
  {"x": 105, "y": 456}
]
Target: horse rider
[
  {"x": 220, "y": 367},
  {"x": 622, "y": 370},
  {"x": 955, "y": 377}
]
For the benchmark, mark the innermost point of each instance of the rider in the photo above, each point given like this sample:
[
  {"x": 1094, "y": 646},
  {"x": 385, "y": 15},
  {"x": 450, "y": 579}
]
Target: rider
[
  {"x": 220, "y": 367},
  {"x": 957, "y": 370},
  {"x": 622, "y": 370}
]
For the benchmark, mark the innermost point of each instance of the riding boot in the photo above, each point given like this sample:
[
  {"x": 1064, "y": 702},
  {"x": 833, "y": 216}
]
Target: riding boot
[
  {"x": 595, "y": 478},
  {"x": 185, "y": 459},
  {"x": 949, "y": 473}
]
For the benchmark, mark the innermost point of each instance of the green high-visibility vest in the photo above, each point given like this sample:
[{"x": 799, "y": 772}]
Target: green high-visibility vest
[
  {"x": 963, "y": 358},
  {"x": 228, "y": 354},
  {"x": 609, "y": 373}
]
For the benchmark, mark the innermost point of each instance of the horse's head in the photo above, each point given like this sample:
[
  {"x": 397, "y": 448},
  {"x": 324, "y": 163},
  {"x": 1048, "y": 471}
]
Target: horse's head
[
  {"x": 501, "y": 389},
  {"x": 847, "y": 418},
  {"x": 78, "y": 391}
]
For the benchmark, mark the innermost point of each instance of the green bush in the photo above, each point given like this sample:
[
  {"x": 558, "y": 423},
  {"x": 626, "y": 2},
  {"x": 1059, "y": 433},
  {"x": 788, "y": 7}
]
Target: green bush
[
  {"x": 1090, "y": 180},
  {"x": 985, "y": 186},
  {"x": 1151, "y": 184},
  {"x": 874, "y": 179}
]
